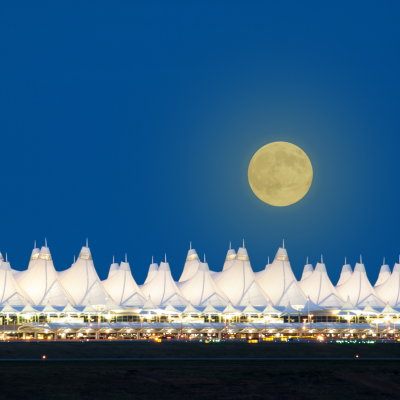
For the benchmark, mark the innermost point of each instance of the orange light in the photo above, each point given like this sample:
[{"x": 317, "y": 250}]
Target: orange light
[{"x": 44, "y": 357}]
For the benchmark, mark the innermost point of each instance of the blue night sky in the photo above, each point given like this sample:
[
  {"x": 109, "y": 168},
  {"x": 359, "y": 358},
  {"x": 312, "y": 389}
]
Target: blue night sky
[{"x": 133, "y": 124}]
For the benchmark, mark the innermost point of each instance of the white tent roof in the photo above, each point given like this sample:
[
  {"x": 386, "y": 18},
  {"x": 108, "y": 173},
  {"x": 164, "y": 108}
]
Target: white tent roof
[
  {"x": 230, "y": 310},
  {"x": 390, "y": 290},
  {"x": 170, "y": 309},
  {"x": 191, "y": 265},
  {"x": 311, "y": 306},
  {"x": 70, "y": 310},
  {"x": 239, "y": 283},
  {"x": 290, "y": 310},
  {"x": 150, "y": 306},
  {"x": 190, "y": 310},
  {"x": 259, "y": 274},
  {"x": 348, "y": 306},
  {"x": 111, "y": 306},
  {"x": 384, "y": 274},
  {"x": 123, "y": 289},
  {"x": 7, "y": 309},
  {"x": 389, "y": 310},
  {"x": 89, "y": 309},
  {"x": 50, "y": 310},
  {"x": 82, "y": 281},
  {"x": 270, "y": 310},
  {"x": 34, "y": 256},
  {"x": 201, "y": 289},
  {"x": 319, "y": 288},
  {"x": 251, "y": 310},
  {"x": 345, "y": 274},
  {"x": 152, "y": 271},
  {"x": 359, "y": 289},
  {"x": 10, "y": 292},
  {"x": 369, "y": 310},
  {"x": 163, "y": 288},
  {"x": 307, "y": 271},
  {"x": 28, "y": 309},
  {"x": 280, "y": 283},
  {"x": 230, "y": 256},
  {"x": 41, "y": 282},
  {"x": 211, "y": 310},
  {"x": 113, "y": 268}
]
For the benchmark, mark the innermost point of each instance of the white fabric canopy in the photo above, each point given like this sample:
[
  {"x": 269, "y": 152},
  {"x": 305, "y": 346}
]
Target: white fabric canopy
[
  {"x": 163, "y": 289},
  {"x": 280, "y": 283},
  {"x": 359, "y": 289},
  {"x": 390, "y": 290},
  {"x": 345, "y": 274},
  {"x": 319, "y": 288},
  {"x": 201, "y": 289},
  {"x": 191, "y": 265},
  {"x": 307, "y": 271},
  {"x": 239, "y": 283},
  {"x": 384, "y": 274},
  {"x": 123, "y": 289},
  {"x": 82, "y": 281},
  {"x": 230, "y": 257},
  {"x": 113, "y": 268},
  {"x": 152, "y": 271},
  {"x": 41, "y": 282}
]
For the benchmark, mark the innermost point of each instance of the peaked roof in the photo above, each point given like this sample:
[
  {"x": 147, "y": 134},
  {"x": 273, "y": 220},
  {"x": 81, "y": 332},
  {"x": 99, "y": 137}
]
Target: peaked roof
[
  {"x": 191, "y": 265},
  {"x": 111, "y": 306},
  {"x": 239, "y": 283},
  {"x": 41, "y": 282},
  {"x": 89, "y": 309},
  {"x": 149, "y": 305},
  {"x": 201, "y": 288},
  {"x": 290, "y": 310},
  {"x": 270, "y": 310},
  {"x": 68, "y": 309},
  {"x": 229, "y": 309},
  {"x": 345, "y": 274},
  {"x": 163, "y": 288},
  {"x": 191, "y": 310},
  {"x": 359, "y": 289},
  {"x": 384, "y": 274},
  {"x": 123, "y": 288},
  {"x": 389, "y": 291},
  {"x": 152, "y": 271},
  {"x": 113, "y": 268},
  {"x": 211, "y": 310},
  {"x": 82, "y": 281},
  {"x": 50, "y": 310},
  {"x": 251, "y": 310},
  {"x": 318, "y": 287},
  {"x": 389, "y": 310},
  {"x": 7, "y": 309},
  {"x": 348, "y": 306},
  {"x": 10, "y": 291},
  {"x": 170, "y": 309},
  {"x": 280, "y": 283},
  {"x": 369, "y": 310},
  {"x": 311, "y": 306},
  {"x": 230, "y": 256},
  {"x": 28, "y": 309},
  {"x": 307, "y": 271}
]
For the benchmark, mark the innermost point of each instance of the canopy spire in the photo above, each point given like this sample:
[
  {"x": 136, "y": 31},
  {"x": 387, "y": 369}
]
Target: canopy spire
[
  {"x": 190, "y": 246},
  {"x": 87, "y": 242},
  {"x": 322, "y": 260},
  {"x": 6, "y": 258},
  {"x": 204, "y": 258},
  {"x": 74, "y": 259},
  {"x": 165, "y": 257},
  {"x": 383, "y": 260},
  {"x": 45, "y": 242},
  {"x": 283, "y": 245},
  {"x": 152, "y": 259},
  {"x": 345, "y": 261},
  {"x": 34, "y": 245},
  {"x": 268, "y": 259},
  {"x": 126, "y": 257},
  {"x": 243, "y": 244},
  {"x": 360, "y": 259},
  {"x": 307, "y": 261},
  {"x": 230, "y": 244},
  {"x": 113, "y": 260}
]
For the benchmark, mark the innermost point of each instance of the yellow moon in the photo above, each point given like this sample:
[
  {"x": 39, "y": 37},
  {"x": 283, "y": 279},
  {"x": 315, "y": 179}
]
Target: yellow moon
[{"x": 280, "y": 174}]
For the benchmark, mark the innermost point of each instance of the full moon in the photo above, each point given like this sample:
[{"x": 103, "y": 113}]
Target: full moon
[{"x": 280, "y": 174}]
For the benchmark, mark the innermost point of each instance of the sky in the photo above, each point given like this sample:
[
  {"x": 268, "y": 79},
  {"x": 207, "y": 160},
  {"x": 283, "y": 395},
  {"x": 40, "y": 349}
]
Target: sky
[{"x": 133, "y": 124}]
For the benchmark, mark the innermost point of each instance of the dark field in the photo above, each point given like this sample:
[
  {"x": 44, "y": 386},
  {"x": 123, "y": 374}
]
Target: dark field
[{"x": 158, "y": 380}]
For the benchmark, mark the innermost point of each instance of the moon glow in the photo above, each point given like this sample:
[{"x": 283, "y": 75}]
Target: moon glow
[{"x": 280, "y": 174}]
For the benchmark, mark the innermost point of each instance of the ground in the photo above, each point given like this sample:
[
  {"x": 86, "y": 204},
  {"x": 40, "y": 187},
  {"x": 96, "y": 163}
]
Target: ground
[{"x": 311, "y": 379}]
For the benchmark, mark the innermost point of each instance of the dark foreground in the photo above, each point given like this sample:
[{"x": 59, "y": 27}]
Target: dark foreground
[{"x": 310, "y": 379}]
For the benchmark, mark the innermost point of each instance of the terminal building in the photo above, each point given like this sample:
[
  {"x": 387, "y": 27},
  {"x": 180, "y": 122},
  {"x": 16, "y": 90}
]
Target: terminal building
[{"x": 233, "y": 303}]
